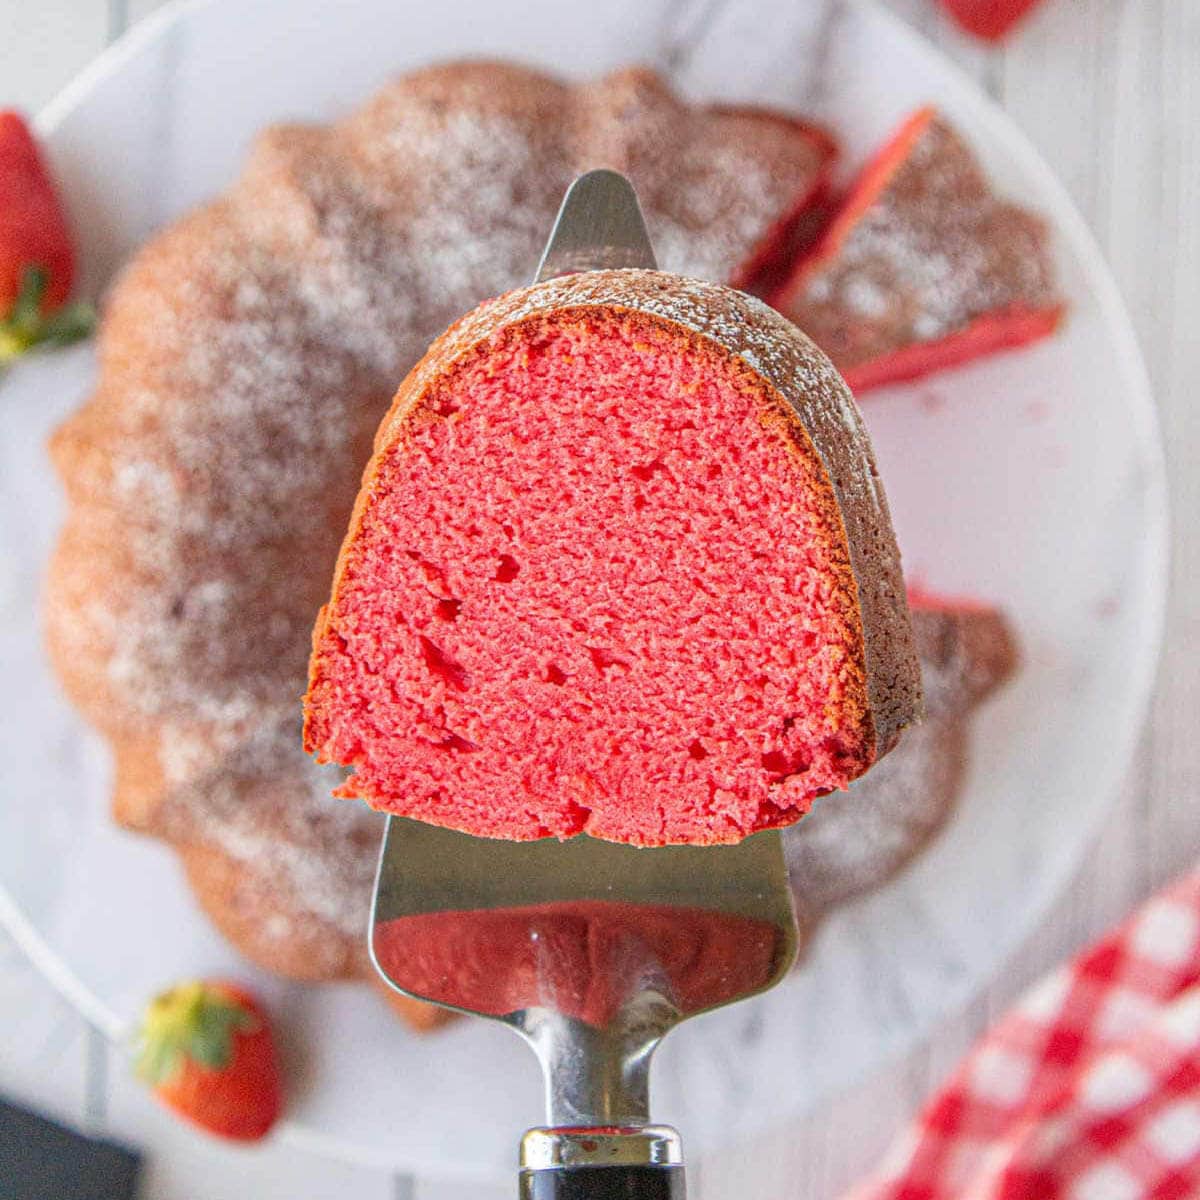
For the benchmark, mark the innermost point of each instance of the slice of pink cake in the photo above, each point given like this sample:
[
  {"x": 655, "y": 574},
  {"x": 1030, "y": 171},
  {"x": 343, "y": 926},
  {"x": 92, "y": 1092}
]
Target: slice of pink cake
[
  {"x": 621, "y": 564},
  {"x": 924, "y": 267}
]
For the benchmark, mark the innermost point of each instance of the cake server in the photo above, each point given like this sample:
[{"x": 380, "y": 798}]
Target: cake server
[{"x": 591, "y": 951}]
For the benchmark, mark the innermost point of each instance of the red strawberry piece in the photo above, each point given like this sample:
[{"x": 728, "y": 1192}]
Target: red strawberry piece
[
  {"x": 988, "y": 19},
  {"x": 207, "y": 1051},
  {"x": 37, "y": 257}
]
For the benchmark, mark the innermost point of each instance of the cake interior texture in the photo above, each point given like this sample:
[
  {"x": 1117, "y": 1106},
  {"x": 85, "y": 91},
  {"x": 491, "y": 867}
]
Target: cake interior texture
[{"x": 599, "y": 584}]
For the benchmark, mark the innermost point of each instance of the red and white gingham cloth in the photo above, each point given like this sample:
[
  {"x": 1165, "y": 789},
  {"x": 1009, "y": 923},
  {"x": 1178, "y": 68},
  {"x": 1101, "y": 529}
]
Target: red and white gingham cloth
[{"x": 1089, "y": 1089}]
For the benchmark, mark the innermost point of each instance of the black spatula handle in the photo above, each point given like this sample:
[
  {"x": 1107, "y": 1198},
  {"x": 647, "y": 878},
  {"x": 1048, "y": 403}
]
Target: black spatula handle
[
  {"x": 604, "y": 1183},
  {"x": 584, "y": 1163}
]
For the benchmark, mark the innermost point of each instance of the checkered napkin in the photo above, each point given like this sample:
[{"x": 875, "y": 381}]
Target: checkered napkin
[{"x": 1088, "y": 1090}]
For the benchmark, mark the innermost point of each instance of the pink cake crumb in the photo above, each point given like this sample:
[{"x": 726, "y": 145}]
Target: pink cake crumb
[{"x": 596, "y": 582}]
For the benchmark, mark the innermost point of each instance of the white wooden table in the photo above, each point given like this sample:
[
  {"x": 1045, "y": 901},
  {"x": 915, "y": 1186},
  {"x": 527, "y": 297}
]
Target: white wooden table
[{"x": 1110, "y": 92}]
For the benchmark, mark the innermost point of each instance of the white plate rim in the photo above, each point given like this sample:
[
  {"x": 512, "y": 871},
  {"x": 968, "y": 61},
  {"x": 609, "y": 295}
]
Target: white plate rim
[{"x": 1071, "y": 227}]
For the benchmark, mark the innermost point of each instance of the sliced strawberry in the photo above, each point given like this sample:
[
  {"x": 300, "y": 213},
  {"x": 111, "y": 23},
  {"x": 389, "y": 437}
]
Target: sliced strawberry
[
  {"x": 207, "y": 1051},
  {"x": 923, "y": 267},
  {"x": 37, "y": 258},
  {"x": 988, "y": 19}
]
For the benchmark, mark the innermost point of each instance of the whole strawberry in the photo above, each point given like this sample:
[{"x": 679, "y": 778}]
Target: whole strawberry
[
  {"x": 37, "y": 257},
  {"x": 207, "y": 1051},
  {"x": 988, "y": 19}
]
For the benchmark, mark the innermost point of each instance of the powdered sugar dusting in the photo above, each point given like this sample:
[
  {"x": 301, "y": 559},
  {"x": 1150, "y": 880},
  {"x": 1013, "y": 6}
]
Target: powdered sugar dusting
[
  {"x": 268, "y": 806},
  {"x": 854, "y": 841}
]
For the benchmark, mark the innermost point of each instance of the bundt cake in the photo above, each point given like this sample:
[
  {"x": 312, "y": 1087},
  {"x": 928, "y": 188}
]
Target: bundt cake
[
  {"x": 621, "y": 564},
  {"x": 854, "y": 841},
  {"x": 923, "y": 267},
  {"x": 246, "y": 357}
]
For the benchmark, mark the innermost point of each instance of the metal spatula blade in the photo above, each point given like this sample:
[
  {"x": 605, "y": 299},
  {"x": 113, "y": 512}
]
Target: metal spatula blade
[
  {"x": 590, "y": 950},
  {"x": 599, "y": 227}
]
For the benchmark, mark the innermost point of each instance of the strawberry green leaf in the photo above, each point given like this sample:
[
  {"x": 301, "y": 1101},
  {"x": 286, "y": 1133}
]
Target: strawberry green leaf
[
  {"x": 70, "y": 324},
  {"x": 212, "y": 1040},
  {"x": 25, "y": 327},
  {"x": 158, "y": 1061},
  {"x": 190, "y": 1023},
  {"x": 27, "y": 308}
]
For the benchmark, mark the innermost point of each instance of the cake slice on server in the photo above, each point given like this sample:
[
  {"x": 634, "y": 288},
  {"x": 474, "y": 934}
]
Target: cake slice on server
[
  {"x": 923, "y": 267},
  {"x": 622, "y": 565}
]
